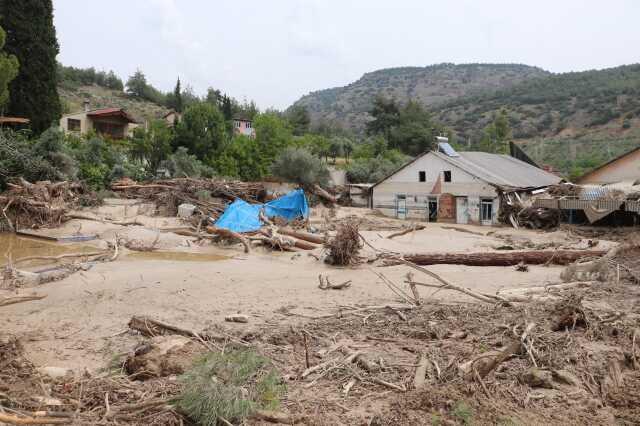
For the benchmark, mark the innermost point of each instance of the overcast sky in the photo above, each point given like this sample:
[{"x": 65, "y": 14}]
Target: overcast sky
[{"x": 274, "y": 51}]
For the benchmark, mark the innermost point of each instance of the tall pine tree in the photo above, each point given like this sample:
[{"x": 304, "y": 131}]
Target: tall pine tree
[{"x": 31, "y": 37}]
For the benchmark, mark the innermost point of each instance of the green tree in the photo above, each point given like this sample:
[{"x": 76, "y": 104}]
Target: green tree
[
  {"x": 335, "y": 148},
  {"x": 414, "y": 133},
  {"x": 137, "y": 85},
  {"x": 299, "y": 118},
  {"x": 201, "y": 131},
  {"x": 497, "y": 134},
  {"x": 174, "y": 100},
  {"x": 152, "y": 146},
  {"x": 386, "y": 115},
  {"x": 347, "y": 149},
  {"x": 318, "y": 145},
  {"x": 31, "y": 37},
  {"x": 8, "y": 71},
  {"x": 300, "y": 166},
  {"x": 273, "y": 134},
  {"x": 241, "y": 158}
]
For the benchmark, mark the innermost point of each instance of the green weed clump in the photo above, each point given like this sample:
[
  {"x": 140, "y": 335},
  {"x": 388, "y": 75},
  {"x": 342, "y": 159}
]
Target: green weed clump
[{"x": 230, "y": 386}]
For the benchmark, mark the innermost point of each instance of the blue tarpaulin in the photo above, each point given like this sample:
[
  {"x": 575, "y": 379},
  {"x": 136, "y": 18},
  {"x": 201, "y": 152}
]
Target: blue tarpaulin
[{"x": 241, "y": 216}]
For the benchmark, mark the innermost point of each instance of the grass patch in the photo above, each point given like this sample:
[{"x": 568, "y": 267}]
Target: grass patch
[
  {"x": 463, "y": 412},
  {"x": 230, "y": 386}
]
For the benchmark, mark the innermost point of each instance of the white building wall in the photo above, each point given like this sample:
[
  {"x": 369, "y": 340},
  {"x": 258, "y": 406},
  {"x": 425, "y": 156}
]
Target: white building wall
[{"x": 406, "y": 182}]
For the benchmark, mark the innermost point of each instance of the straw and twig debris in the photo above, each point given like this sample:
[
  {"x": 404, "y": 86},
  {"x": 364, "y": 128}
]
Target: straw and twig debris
[{"x": 345, "y": 246}]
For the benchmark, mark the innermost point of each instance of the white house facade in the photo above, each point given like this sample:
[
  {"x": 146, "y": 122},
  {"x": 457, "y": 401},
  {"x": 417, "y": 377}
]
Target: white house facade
[{"x": 448, "y": 186}]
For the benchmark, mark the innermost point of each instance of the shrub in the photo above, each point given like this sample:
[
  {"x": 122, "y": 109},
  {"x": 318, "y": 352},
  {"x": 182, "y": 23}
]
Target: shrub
[
  {"x": 229, "y": 386},
  {"x": 300, "y": 166},
  {"x": 183, "y": 164}
]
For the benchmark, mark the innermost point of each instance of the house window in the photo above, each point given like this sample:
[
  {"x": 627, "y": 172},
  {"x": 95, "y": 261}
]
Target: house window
[
  {"x": 236, "y": 124},
  {"x": 447, "y": 175},
  {"x": 73, "y": 125},
  {"x": 248, "y": 125},
  {"x": 422, "y": 176}
]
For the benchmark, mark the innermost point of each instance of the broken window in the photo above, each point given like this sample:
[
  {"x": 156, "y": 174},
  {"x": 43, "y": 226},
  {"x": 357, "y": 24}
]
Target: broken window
[
  {"x": 73, "y": 125},
  {"x": 422, "y": 176},
  {"x": 447, "y": 175}
]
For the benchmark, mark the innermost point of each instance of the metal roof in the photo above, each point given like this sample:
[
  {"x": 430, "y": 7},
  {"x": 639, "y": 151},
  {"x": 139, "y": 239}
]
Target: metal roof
[
  {"x": 496, "y": 169},
  {"x": 501, "y": 170}
]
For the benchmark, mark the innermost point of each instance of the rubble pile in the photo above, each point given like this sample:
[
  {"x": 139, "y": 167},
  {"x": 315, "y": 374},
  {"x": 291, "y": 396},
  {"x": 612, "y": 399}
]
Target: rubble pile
[
  {"x": 41, "y": 204},
  {"x": 210, "y": 196}
]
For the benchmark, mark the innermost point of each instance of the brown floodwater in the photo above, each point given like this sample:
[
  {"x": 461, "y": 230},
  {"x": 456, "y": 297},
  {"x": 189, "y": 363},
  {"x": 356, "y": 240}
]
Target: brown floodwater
[
  {"x": 17, "y": 247},
  {"x": 175, "y": 256}
]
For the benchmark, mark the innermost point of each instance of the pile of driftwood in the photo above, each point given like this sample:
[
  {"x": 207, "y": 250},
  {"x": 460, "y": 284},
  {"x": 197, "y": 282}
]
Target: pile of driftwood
[
  {"x": 280, "y": 238},
  {"x": 29, "y": 205},
  {"x": 515, "y": 212},
  {"x": 208, "y": 195}
]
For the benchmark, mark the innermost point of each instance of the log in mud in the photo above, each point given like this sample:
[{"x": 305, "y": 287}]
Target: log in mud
[{"x": 531, "y": 257}]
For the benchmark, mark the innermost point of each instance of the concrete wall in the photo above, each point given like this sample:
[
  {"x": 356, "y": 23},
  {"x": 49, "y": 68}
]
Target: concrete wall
[
  {"x": 625, "y": 168},
  {"x": 85, "y": 122},
  {"x": 406, "y": 182}
]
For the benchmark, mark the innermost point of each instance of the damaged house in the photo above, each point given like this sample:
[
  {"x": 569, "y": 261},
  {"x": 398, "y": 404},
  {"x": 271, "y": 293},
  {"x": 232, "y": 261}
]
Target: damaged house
[
  {"x": 607, "y": 195},
  {"x": 459, "y": 187}
]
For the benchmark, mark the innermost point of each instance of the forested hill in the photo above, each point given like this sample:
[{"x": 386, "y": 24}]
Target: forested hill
[
  {"x": 433, "y": 85},
  {"x": 555, "y": 105}
]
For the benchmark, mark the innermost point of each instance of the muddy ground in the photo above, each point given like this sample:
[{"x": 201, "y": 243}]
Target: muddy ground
[{"x": 587, "y": 369}]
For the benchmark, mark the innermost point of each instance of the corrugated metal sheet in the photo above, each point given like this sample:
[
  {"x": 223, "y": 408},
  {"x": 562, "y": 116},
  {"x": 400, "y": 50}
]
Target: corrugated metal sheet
[
  {"x": 549, "y": 203},
  {"x": 573, "y": 204},
  {"x": 633, "y": 206},
  {"x": 501, "y": 170}
]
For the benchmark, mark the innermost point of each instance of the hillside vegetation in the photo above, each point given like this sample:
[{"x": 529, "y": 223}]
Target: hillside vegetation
[
  {"x": 572, "y": 121},
  {"x": 559, "y": 104},
  {"x": 348, "y": 106},
  {"x": 72, "y": 99}
]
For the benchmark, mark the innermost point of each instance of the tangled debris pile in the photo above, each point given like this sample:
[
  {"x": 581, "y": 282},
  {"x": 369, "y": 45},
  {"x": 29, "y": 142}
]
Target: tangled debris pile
[
  {"x": 41, "y": 204},
  {"x": 515, "y": 211},
  {"x": 210, "y": 196},
  {"x": 572, "y": 361},
  {"x": 345, "y": 246}
]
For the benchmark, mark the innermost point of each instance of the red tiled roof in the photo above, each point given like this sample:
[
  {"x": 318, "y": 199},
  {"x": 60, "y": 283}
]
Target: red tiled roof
[
  {"x": 111, "y": 112},
  {"x": 14, "y": 120}
]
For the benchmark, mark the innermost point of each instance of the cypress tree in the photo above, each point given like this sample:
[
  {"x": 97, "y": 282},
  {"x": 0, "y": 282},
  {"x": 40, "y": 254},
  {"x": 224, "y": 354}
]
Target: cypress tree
[
  {"x": 31, "y": 37},
  {"x": 177, "y": 97}
]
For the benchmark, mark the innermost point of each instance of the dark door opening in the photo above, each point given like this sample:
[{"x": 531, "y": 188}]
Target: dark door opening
[{"x": 433, "y": 209}]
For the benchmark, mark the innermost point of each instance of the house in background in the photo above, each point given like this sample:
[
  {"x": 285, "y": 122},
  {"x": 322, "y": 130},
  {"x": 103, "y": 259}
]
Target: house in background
[
  {"x": 15, "y": 123},
  {"x": 172, "y": 117},
  {"x": 625, "y": 168},
  {"x": 459, "y": 187},
  {"x": 243, "y": 126},
  {"x": 113, "y": 122}
]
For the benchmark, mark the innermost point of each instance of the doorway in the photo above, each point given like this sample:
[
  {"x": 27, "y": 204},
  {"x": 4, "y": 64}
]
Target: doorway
[
  {"x": 462, "y": 210},
  {"x": 432, "y": 204},
  {"x": 486, "y": 211},
  {"x": 401, "y": 206}
]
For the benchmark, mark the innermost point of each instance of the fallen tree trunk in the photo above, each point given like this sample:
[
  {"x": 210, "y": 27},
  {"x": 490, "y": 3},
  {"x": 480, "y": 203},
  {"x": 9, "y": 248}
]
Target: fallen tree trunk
[
  {"x": 283, "y": 242},
  {"x": 19, "y": 299},
  {"x": 225, "y": 233},
  {"x": 306, "y": 236},
  {"x": 406, "y": 231},
  {"x": 324, "y": 194},
  {"x": 532, "y": 257}
]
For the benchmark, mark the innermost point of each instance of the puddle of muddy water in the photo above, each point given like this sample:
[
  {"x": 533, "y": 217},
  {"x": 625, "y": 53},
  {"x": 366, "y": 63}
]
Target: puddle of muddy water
[
  {"x": 175, "y": 256},
  {"x": 18, "y": 247}
]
